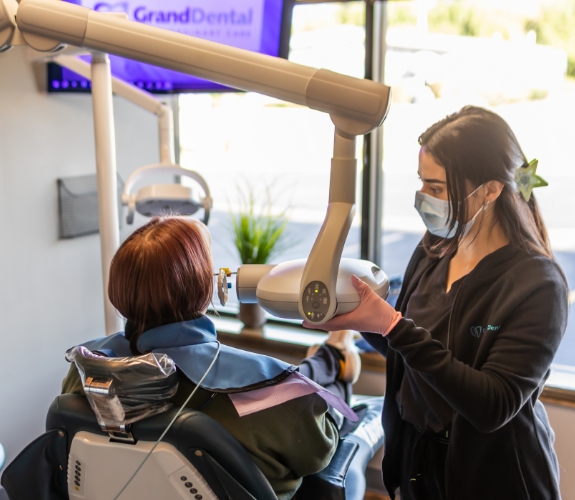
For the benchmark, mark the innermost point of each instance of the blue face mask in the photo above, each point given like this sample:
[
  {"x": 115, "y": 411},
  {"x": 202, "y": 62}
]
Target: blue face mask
[{"x": 435, "y": 215}]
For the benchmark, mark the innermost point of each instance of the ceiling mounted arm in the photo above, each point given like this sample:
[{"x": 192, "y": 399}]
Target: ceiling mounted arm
[
  {"x": 7, "y": 23},
  {"x": 355, "y": 106}
]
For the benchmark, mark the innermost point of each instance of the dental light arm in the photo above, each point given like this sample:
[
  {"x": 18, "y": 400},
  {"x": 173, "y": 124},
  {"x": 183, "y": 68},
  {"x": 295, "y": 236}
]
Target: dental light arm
[
  {"x": 137, "y": 96},
  {"x": 154, "y": 201},
  {"x": 106, "y": 174},
  {"x": 355, "y": 106}
]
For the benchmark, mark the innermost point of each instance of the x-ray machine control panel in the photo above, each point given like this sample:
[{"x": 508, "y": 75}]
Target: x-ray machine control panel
[{"x": 316, "y": 301}]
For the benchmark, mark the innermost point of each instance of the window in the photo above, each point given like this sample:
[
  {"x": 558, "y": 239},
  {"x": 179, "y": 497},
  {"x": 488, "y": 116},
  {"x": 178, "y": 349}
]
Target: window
[
  {"x": 519, "y": 62},
  {"x": 517, "y": 59},
  {"x": 242, "y": 140}
]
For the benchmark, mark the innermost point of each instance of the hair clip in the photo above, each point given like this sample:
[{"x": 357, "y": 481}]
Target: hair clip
[{"x": 527, "y": 179}]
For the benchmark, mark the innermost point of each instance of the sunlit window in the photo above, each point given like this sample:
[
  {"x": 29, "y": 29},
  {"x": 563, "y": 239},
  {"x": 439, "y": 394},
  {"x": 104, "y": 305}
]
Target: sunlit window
[
  {"x": 516, "y": 57},
  {"x": 244, "y": 141}
]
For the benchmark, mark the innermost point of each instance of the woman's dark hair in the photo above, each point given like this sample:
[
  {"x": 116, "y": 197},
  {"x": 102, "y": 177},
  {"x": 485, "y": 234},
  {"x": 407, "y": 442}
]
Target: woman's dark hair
[
  {"x": 161, "y": 274},
  {"x": 475, "y": 146}
]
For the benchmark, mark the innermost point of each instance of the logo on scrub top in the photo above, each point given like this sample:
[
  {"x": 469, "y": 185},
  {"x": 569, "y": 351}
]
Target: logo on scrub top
[{"x": 476, "y": 331}]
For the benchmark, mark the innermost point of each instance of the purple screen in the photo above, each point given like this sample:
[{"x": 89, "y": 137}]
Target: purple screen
[{"x": 254, "y": 25}]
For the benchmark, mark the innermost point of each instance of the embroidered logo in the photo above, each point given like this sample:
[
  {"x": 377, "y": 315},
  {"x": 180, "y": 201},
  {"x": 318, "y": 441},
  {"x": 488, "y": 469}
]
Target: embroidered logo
[{"x": 476, "y": 331}]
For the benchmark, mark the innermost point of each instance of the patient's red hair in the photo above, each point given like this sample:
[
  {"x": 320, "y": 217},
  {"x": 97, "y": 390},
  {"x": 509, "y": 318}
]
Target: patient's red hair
[{"x": 162, "y": 273}]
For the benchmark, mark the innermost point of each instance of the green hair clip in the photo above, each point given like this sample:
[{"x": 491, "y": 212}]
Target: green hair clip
[{"x": 527, "y": 179}]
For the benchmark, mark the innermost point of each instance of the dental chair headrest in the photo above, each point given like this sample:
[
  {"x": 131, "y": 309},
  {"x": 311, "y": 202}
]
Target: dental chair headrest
[{"x": 124, "y": 390}]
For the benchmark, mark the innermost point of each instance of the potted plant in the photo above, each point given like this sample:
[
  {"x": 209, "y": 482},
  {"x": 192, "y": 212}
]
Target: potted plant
[{"x": 258, "y": 236}]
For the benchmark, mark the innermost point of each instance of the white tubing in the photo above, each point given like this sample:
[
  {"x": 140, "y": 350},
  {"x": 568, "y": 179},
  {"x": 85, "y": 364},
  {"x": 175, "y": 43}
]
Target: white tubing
[
  {"x": 107, "y": 177},
  {"x": 50, "y": 19},
  {"x": 213, "y": 61}
]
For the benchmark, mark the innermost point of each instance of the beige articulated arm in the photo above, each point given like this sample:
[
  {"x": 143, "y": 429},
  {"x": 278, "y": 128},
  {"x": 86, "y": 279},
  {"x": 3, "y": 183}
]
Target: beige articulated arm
[{"x": 355, "y": 106}]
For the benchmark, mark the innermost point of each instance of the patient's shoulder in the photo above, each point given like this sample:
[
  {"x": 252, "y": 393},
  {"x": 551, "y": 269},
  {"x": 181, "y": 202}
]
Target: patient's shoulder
[{"x": 72, "y": 383}]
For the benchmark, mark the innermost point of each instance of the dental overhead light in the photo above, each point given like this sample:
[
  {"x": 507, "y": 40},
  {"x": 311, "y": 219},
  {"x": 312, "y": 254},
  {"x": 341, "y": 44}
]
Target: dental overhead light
[
  {"x": 318, "y": 287},
  {"x": 165, "y": 199},
  {"x": 155, "y": 199}
]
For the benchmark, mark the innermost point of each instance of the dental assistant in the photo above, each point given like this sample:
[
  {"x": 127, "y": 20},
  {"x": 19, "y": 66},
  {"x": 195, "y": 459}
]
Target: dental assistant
[{"x": 479, "y": 318}]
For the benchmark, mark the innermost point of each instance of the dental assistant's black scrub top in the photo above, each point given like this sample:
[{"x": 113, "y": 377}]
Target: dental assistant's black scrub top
[
  {"x": 507, "y": 320},
  {"x": 429, "y": 307}
]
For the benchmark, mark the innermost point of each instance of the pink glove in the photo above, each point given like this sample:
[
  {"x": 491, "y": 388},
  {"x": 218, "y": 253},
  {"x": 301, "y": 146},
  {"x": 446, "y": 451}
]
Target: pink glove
[{"x": 373, "y": 314}]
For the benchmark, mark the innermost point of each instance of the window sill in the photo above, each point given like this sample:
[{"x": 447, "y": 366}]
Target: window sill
[
  {"x": 560, "y": 387},
  {"x": 290, "y": 343}
]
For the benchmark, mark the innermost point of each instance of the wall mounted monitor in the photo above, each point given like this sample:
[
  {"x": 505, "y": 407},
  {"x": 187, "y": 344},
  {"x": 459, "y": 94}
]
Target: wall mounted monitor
[{"x": 258, "y": 25}]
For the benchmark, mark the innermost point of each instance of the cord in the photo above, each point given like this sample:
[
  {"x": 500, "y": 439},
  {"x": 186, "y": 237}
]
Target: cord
[{"x": 172, "y": 422}]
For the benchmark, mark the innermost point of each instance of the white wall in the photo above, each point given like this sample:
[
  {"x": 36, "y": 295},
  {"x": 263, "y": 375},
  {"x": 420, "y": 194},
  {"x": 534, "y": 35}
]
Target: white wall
[{"x": 50, "y": 289}]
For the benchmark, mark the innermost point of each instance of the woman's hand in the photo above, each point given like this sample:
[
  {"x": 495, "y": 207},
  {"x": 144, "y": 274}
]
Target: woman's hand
[{"x": 373, "y": 314}]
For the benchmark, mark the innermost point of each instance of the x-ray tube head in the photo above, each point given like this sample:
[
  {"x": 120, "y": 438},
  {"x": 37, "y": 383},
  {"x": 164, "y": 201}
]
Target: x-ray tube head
[{"x": 278, "y": 287}]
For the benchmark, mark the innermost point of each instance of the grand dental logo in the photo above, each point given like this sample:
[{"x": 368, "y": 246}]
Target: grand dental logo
[
  {"x": 194, "y": 15},
  {"x": 189, "y": 15}
]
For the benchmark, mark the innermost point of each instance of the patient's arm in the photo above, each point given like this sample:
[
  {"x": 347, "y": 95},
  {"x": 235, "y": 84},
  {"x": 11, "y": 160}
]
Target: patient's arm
[
  {"x": 287, "y": 442},
  {"x": 315, "y": 437}
]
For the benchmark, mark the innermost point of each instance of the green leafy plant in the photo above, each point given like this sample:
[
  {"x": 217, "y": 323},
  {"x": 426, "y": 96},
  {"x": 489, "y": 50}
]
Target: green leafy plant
[{"x": 258, "y": 232}]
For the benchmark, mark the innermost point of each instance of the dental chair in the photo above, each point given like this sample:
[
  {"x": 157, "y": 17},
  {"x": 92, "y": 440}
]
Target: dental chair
[{"x": 95, "y": 445}]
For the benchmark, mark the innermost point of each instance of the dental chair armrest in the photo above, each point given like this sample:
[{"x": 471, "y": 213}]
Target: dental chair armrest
[
  {"x": 344, "y": 477},
  {"x": 39, "y": 472},
  {"x": 329, "y": 484}
]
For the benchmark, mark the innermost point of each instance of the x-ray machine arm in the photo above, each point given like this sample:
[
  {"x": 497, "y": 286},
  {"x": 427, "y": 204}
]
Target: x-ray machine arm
[{"x": 355, "y": 106}]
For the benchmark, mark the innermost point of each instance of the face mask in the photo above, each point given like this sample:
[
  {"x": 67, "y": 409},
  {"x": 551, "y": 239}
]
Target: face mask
[{"x": 434, "y": 213}]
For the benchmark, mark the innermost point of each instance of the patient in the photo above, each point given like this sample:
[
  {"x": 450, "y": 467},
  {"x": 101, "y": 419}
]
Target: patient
[{"x": 161, "y": 281}]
